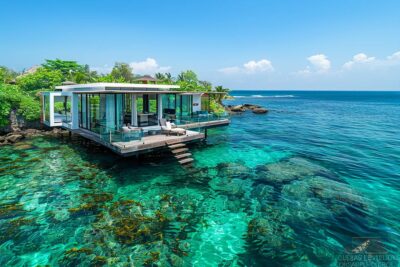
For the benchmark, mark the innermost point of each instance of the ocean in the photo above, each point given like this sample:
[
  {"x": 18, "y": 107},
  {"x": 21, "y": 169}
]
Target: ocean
[{"x": 314, "y": 182}]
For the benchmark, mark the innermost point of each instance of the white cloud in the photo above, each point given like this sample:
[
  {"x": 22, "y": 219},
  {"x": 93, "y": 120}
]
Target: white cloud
[
  {"x": 320, "y": 62},
  {"x": 258, "y": 66},
  {"x": 395, "y": 56},
  {"x": 148, "y": 66},
  {"x": 360, "y": 58},
  {"x": 263, "y": 65}
]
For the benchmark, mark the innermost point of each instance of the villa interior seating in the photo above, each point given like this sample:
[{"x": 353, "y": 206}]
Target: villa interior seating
[{"x": 169, "y": 114}]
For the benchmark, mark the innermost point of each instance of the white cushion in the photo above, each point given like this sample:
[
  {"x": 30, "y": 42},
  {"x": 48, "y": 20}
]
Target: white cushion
[
  {"x": 178, "y": 130},
  {"x": 168, "y": 125}
]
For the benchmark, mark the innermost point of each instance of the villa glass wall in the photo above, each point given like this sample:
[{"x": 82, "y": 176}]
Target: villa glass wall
[
  {"x": 169, "y": 106},
  {"x": 93, "y": 110},
  {"x": 127, "y": 109},
  {"x": 46, "y": 108},
  {"x": 147, "y": 110},
  {"x": 101, "y": 113},
  {"x": 82, "y": 112},
  {"x": 186, "y": 105}
]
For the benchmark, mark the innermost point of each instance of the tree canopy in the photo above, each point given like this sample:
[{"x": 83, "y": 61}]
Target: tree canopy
[
  {"x": 42, "y": 78},
  {"x": 122, "y": 72},
  {"x": 66, "y": 67}
]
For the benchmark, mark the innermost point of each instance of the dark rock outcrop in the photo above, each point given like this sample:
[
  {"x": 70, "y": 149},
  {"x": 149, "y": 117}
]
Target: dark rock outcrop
[
  {"x": 260, "y": 110},
  {"x": 251, "y": 106},
  {"x": 13, "y": 138},
  {"x": 19, "y": 135},
  {"x": 238, "y": 109}
]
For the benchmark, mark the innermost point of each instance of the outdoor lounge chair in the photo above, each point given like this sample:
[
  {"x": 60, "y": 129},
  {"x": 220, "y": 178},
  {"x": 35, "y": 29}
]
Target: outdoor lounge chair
[{"x": 166, "y": 127}]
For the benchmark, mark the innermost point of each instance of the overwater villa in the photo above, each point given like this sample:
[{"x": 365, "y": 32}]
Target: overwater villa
[{"x": 131, "y": 119}]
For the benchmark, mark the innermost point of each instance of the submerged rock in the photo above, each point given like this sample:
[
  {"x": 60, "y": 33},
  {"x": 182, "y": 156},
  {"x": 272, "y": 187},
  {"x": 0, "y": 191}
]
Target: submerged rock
[
  {"x": 284, "y": 171},
  {"x": 336, "y": 192},
  {"x": 272, "y": 240},
  {"x": 260, "y": 110},
  {"x": 264, "y": 194},
  {"x": 233, "y": 170},
  {"x": 320, "y": 255}
]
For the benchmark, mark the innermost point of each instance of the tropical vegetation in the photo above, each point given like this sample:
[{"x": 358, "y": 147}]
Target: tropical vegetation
[{"x": 19, "y": 91}]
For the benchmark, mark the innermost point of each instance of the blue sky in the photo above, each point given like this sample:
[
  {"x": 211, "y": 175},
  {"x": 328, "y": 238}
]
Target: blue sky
[{"x": 285, "y": 44}]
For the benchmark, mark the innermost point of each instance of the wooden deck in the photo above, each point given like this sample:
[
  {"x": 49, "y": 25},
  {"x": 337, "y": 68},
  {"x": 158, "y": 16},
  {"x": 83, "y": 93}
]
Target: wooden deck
[
  {"x": 152, "y": 142},
  {"x": 148, "y": 143},
  {"x": 205, "y": 124}
]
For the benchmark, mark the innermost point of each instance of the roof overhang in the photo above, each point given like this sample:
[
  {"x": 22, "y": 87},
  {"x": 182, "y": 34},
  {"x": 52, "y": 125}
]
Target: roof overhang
[
  {"x": 112, "y": 86},
  {"x": 135, "y": 92}
]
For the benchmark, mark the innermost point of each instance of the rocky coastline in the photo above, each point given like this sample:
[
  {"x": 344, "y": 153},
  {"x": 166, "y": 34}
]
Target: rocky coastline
[
  {"x": 238, "y": 109},
  {"x": 17, "y": 135}
]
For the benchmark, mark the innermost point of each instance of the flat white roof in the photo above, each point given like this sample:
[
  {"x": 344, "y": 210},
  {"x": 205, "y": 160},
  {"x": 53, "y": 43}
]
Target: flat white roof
[{"x": 103, "y": 86}]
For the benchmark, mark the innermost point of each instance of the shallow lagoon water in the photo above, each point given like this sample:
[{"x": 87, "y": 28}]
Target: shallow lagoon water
[{"x": 315, "y": 182}]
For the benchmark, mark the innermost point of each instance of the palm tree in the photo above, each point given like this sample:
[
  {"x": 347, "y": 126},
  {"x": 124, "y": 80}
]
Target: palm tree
[
  {"x": 181, "y": 77},
  {"x": 168, "y": 77},
  {"x": 206, "y": 85},
  {"x": 159, "y": 76},
  {"x": 220, "y": 89}
]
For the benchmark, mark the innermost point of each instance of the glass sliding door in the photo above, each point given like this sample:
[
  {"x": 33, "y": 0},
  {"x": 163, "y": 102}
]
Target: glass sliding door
[
  {"x": 46, "y": 108},
  {"x": 94, "y": 113},
  {"x": 119, "y": 112},
  {"x": 82, "y": 111},
  {"x": 147, "y": 110},
  {"x": 169, "y": 106},
  {"x": 110, "y": 112},
  {"x": 127, "y": 109},
  {"x": 186, "y": 105},
  {"x": 153, "y": 109}
]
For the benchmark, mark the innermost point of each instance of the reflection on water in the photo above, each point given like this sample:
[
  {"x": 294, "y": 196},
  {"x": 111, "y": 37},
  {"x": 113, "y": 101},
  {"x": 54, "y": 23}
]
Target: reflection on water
[{"x": 315, "y": 185}]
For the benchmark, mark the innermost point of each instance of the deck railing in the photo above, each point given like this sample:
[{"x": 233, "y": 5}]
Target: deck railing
[
  {"x": 199, "y": 118},
  {"x": 111, "y": 134},
  {"x": 194, "y": 123}
]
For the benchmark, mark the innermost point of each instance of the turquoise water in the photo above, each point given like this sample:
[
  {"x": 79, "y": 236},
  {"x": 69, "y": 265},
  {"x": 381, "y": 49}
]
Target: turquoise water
[{"x": 315, "y": 182}]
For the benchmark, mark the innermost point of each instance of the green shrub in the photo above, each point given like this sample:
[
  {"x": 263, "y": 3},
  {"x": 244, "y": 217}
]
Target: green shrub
[{"x": 12, "y": 97}]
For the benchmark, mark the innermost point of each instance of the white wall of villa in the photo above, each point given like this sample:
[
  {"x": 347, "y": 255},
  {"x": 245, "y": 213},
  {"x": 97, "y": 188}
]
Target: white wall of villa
[{"x": 147, "y": 104}]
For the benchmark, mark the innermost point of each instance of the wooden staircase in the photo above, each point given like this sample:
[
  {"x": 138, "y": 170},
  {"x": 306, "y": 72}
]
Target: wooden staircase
[{"x": 182, "y": 154}]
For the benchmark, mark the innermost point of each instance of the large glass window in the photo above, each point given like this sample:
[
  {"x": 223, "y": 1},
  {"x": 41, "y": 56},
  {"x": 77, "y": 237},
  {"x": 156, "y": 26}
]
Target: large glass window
[
  {"x": 46, "y": 108},
  {"x": 67, "y": 109},
  {"x": 147, "y": 109},
  {"x": 82, "y": 112},
  {"x": 94, "y": 112},
  {"x": 186, "y": 105},
  {"x": 169, "y": 106},
  {"x": 119, "y": 98},
  {"x": 127, "y": 108}
]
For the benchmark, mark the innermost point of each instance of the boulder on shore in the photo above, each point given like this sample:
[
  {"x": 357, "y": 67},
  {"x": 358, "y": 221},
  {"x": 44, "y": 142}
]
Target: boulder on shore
[
  {"x": 251, "y": 106},
  {"x": 260, "y": 110},
  {"x": 238, "y": 108},
  {"x": 13, "y": 138}
]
